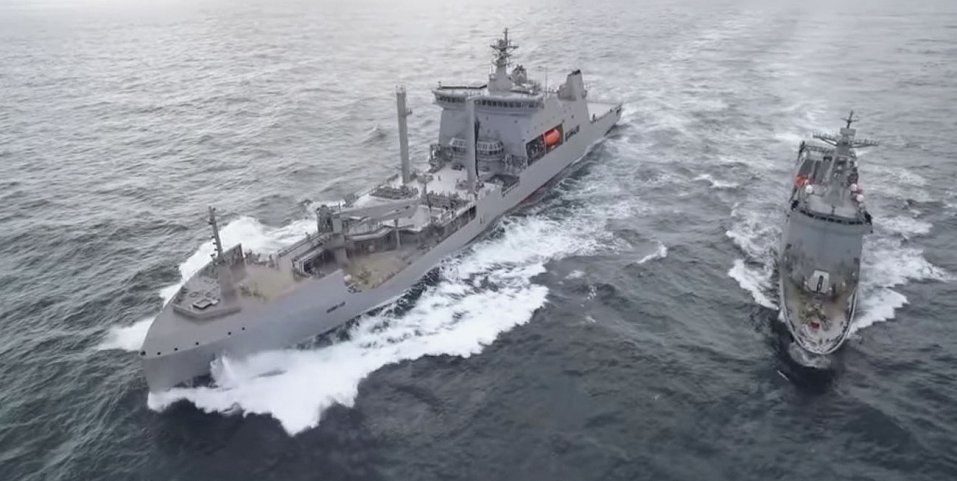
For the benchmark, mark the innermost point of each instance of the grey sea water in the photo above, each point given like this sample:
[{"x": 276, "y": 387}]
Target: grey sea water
[{"x": 620, "y": 326}]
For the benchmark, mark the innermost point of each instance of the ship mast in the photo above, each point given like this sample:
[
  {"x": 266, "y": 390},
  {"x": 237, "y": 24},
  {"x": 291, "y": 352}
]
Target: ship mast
[
  {"x": 500, "y": 81},
  {"x": 845, "y": 140},
  {"x": 403, "y": 112},
  {"x": 223, "y": 269},
  {"x": 471, "y": 137},
  {"x": 217, "y": 242},
  {"x": 850, "y": 119},
  {"x": 842, "y": 165}
]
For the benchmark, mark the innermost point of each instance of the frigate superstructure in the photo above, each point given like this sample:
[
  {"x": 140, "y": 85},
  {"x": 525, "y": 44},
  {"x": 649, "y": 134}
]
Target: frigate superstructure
[
  {"x": 819, "y": 263},
  {"x": 498, "y": 142}
]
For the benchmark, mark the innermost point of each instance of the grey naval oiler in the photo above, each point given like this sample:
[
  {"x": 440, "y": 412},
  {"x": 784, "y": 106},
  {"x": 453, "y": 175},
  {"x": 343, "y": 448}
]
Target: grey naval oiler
[
  {"x": 498, "y": 143},
  {"x": 819, "y": 265}
]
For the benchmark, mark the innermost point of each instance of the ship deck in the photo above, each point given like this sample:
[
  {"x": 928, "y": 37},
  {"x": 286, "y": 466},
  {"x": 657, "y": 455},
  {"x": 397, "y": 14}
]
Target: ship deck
[
  {"x": 844, "y": 210},
  {"x": 264, "y": 282},
  {"x": 255, "y": 283},
  {"x": 827, "y": 335},
  {"x": 600, "y": 109},
  {"x": 444, "y": 181},
  {"x": 371, "y": 270}
]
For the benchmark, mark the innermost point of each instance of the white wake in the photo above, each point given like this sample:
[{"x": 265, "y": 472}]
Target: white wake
[
  {"x": 126, "y": 338},
  {"x": 888, "y": 264},
  {"x": 755, "y": 235},
  {"x": 717, "y": 183},
  {"x": 660, "y": 253}
]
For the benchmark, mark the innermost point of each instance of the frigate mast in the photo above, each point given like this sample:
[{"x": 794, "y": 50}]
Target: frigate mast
[
  {"x": 841, "y": 168},
  {"x": 845, "y": 141}
]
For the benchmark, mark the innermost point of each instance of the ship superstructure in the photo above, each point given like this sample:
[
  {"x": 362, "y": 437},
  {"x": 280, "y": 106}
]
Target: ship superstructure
[
  {"x": 819, "y": 262},
  {"x": 498, "y": 142}
]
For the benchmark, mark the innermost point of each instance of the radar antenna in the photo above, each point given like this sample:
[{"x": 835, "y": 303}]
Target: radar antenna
[{"x": 850, "y": 119}]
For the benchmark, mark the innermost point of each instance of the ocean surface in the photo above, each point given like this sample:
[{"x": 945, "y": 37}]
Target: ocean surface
[{"x": 620, "y": 325}]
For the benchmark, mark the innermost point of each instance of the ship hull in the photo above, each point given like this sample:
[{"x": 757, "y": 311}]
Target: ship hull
[
  {"x": 818, "y": 280},
  {"x": 822, "y": 243},
  {"x": 326, "y": 304}
]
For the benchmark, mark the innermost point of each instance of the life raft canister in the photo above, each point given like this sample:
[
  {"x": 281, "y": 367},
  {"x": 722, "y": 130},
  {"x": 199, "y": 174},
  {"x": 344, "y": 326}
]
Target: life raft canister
[{"x": 552, "y": 138}]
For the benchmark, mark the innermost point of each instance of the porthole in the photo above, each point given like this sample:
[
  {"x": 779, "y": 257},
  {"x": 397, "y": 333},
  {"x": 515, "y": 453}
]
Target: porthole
[
  {"x": 197, "y": 343},
  {"x": 142, "y": 353},
  {"x": 229, "y": 333},
  {"x": 176, "y": 349}
]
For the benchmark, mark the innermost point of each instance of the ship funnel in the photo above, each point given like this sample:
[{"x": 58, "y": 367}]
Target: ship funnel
[{"x": 403, "y": 112}]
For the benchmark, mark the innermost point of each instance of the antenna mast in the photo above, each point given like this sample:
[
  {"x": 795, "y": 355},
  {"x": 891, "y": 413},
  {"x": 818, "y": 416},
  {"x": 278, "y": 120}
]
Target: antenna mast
[
  {"x": 846, "y": 137},
  {"x": 503, "y": 52},
  {"x": 850, "y": 119},
  {"x": 216, "y": 240}
]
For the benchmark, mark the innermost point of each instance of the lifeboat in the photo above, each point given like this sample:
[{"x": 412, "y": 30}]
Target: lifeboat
[{"x": 552, "y": 138}]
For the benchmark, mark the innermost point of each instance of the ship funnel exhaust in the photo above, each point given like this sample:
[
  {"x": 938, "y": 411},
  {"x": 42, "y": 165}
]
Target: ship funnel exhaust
[{"x": 403, "y": 112}]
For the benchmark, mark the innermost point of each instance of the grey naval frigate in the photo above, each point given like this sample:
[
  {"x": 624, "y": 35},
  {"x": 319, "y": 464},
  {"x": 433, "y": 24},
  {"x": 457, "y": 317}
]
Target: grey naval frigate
[
  {"x": 498, "y": 142},
  {"x": 819, "y": 264}
]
